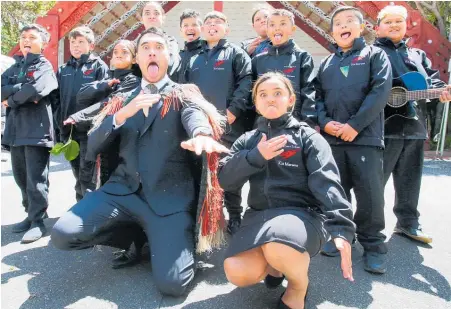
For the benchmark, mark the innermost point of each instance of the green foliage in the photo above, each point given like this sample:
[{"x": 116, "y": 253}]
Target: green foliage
[
  {"x": 444, "y": 10},
  {"x": 17, "y": 14},
  {"x": 71, "y": 149}
]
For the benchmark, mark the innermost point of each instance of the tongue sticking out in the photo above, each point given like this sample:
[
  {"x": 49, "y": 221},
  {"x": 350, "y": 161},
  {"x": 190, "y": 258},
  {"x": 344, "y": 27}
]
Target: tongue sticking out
[
  {"x": 277, "y": 38},
  {"x": 152, "y": 70},
  {"x": 346, "y": 35}
]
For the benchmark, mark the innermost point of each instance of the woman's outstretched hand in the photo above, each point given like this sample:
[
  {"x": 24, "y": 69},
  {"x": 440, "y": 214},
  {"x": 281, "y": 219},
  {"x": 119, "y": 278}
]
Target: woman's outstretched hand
[{"x": 346, "y": 261}]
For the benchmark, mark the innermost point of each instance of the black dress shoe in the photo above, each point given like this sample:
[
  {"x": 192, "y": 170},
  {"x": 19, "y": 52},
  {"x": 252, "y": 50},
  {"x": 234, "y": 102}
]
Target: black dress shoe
[
  {"x": 128, "y": 258},
  {"x": 374, "y": 262},
  {"x": 282, "y": 305},
  {"x": 272, "y": 282},
  {"x": 21, "y": 226},
  {"x": 234, "y": 225}
]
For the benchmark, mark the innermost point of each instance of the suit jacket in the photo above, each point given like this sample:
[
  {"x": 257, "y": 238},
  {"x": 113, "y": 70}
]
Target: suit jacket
[{"x": 150, "y": 155}]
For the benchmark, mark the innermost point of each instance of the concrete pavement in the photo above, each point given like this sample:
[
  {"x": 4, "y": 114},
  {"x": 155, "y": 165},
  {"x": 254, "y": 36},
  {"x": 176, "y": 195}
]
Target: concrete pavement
[{"x": 37, "y": 276}]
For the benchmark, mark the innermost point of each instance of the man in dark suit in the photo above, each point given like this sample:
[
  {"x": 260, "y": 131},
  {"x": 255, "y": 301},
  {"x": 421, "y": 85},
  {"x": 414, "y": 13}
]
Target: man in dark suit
[{"x": 155, "y": 184}]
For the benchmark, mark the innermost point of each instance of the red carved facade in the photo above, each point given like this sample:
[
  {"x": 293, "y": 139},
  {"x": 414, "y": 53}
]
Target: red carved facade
[
  {"x": 65, "y": 15},
  {"x": 422, "y": 34}
]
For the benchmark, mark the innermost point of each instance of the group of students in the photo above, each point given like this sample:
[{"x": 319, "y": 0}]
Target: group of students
[{"x": 300, "y": 180}]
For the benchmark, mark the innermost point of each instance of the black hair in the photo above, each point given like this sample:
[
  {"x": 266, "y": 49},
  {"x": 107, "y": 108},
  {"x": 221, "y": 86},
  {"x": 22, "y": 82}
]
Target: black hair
[
  {"x": 258, "y": 10},
  {"x": 340, "y": 9},
  {"x": 189, "y": 13},
  {"x": 83, "y": 31},
  {"x": 45, "y": 36},
  {"x": 155, "y": 31}
]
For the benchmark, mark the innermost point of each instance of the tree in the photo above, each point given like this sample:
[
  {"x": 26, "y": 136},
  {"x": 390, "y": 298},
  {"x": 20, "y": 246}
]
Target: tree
[
  {"x": 17, "y": 14},
  {"x": 436, "y": 12}
]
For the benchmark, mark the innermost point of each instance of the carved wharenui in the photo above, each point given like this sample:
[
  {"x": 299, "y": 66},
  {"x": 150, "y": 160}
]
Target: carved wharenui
[{"x": 112, "y": 21}]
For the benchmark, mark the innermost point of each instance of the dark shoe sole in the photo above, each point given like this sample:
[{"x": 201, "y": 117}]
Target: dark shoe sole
[
  {"x": 424, "y": 240},
  {"x": 282, "y": 305},
  {"x": 125, "y": 264},
  {"x": 375, "y": 271},
  {"x": 330, "y": 254}
]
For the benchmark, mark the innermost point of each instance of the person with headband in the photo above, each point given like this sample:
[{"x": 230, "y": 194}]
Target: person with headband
[{"x": 404, "y": 138}]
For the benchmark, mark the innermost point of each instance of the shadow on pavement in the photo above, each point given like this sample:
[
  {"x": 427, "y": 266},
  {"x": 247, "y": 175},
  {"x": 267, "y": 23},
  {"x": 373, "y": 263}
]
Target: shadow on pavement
[
  {"x": 326, "y": 284},
  {"x": 9, "y": 237},
  {"x": 436, "y": 168}
]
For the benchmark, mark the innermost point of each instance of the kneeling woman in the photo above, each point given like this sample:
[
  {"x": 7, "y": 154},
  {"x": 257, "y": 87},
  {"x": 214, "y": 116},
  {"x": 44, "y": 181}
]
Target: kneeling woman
[{"x": 295, "y": 199}]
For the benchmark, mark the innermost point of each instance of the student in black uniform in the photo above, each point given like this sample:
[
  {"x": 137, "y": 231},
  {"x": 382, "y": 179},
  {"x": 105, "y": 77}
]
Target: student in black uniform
[
  {"x": 26, "y": 86},
  {"x": 259, "y": 44},
  {"x": 295, "y": 197},
  {"x": 83, "y": 67},
  {"x": 352, "y": 88},
  {"x": 404, "y": 138},
  {"x": 190, "y": 29},
  {"x": 285, "y": 56},
  {"x": 152, "y": 15},
  {"x": 99, "y": 96},
  {"x": 222, "y": 71}
]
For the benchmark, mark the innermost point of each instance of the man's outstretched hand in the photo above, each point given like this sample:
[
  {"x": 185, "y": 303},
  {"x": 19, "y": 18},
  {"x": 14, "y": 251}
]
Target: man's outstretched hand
[{"x": 203, "y": 143}]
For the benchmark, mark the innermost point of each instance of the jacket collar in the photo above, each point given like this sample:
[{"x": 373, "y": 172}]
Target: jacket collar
[
  {"x": 31, "y": 58},
  {"x": 222, "y": 43},
  {"x": 359, "y": 44},
  {"x": 120, "y": 74},
  {"x": 85, "y": 58},
  {"x": 196, "y": 44},
  {"x": 389, "y": 43},
  {"x": 283, "y": 122},
  {"x": 281, "y": 49}
]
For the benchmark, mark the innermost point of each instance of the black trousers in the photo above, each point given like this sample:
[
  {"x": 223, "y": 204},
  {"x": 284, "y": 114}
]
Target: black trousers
[
  {"x": 404, "y": 159},
  {"x": 361, "y": 169},
  {"x": 84, "y": 170},
  {"x": 30, "y": 165},
  {"x": 105, "y": 219}
]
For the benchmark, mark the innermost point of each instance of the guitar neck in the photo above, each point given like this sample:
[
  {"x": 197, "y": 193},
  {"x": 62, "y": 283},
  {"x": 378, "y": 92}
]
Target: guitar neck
[{"x": 425, "y": 94}]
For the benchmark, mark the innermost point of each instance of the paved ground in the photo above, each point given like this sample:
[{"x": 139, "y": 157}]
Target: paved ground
[{"x": 37, "y": 276}]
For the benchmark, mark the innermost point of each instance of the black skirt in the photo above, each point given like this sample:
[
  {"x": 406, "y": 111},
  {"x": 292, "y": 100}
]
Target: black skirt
[{"x": 299, "y": 228}]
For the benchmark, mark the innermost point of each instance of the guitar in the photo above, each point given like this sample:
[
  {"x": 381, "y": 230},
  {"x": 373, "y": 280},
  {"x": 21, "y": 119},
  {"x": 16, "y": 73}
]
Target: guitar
[{"x": 407, "y": 89}]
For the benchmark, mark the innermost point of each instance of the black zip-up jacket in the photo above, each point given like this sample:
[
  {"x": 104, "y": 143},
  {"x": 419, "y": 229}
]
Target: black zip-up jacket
[
  {"x": 71, "y": 77},
  {"x": 261, "y": 48},
  {"x": 297, "y": 65},
  {"x": 191, "y": 49},
  {"x": 223, "y": 75},
  {"x": 305, "y": 175},
  {"x": 353, "y": 88},
  {"x": 29, "y": 80},
  {"x": 403, "y": 60},
  {"x": 96, "y": 94}
]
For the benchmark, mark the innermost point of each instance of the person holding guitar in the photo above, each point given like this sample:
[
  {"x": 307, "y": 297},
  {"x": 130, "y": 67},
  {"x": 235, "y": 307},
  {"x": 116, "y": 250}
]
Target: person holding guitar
[{"x": 405, "y": 121}]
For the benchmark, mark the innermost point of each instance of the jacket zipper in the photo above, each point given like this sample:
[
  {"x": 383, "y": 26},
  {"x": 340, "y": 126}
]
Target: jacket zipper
[{"x": 265, "y": 188}]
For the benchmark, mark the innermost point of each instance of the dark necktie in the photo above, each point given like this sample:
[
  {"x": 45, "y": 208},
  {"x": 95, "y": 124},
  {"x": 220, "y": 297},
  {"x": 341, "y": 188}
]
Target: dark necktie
[{"x": 152, "y": 89}]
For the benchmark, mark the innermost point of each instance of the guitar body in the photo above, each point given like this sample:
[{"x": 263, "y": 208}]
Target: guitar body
[{"x": 398, "y": 105}]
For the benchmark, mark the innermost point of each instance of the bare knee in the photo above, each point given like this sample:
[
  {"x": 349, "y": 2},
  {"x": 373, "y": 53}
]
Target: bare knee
[{"x": 238, "y": 274}]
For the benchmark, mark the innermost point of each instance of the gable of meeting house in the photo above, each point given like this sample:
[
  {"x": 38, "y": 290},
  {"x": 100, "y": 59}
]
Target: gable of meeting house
[{"x": 116, "y": 20}]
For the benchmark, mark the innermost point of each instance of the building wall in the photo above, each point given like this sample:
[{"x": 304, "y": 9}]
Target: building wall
[{"x": 239, "y": 14}]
